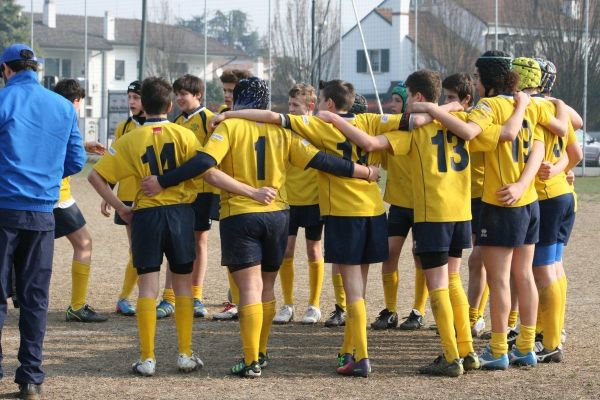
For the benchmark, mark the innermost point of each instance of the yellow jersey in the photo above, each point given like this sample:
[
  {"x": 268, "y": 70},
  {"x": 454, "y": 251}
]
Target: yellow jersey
[
  {"x": 439, "y": 162},
  {"x": 152, "y": 149},
  {"x": 301, "y": 186},
  {"x": 340, "y": 196},
  {"x": 65, "y": 191},
  {"x": 506, "y": 162},
  {"x": 197, "y": 121},
  {"x": 127, "y": 188},
  {"x": 256, "y": 154},
  {"x": 477, "y": 168},
  {"x": 554, "y": 150}
]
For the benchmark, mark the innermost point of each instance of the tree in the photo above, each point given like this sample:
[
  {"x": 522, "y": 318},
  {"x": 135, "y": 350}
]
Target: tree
[
  {"x": 295, "y": 60},
  {"x": 12, "y": 26}
]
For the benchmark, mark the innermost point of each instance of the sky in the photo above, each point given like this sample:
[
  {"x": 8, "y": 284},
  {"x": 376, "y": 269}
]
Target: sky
[{"x": 257, "y": 12}]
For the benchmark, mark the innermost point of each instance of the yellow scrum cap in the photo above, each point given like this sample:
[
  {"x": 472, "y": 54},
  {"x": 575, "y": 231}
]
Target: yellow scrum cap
[{"x": 530, "y": 74}]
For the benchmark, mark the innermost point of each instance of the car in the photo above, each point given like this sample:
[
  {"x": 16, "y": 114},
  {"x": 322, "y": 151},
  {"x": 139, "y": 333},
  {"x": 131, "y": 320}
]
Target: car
[{"x": 592, "y": 149}]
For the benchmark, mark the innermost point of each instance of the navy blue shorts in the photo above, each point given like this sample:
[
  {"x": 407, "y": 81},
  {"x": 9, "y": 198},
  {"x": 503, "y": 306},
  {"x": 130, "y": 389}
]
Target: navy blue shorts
[
  {"x": 557, "y": 216},
  {"x": 167, "y": 230},
  {"x": 67, "y": 220},
  {"x": 118, "y": 219},
  {"x": 476, "y": 213},
  {"x": 206, "y": 208},
  {"x": 400, "y": 220},
  {"x": 308, "y": 217},
  {"x": 356, "y": 240},
  {"x": 437, "y": 237},
  {"x": 253, "y": 239},
  {"x": 509, "y": 226}
]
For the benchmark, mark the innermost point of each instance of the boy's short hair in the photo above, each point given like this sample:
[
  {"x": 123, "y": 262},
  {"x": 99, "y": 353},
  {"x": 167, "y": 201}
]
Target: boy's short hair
[
  {"x": 70, "y": 89},
  {"x": 234, "y": 75},
  {"x": 426, "y": 82},
  {"x": 339, "y": 91},
  {"x": 462, "y": 84},
  {"x": 189, "y": 83},
  {"x": 156, "y": 95},
  {"x": 304, "y": 89}
]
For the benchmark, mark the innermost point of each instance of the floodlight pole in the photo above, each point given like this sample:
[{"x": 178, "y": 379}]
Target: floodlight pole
[
  {"x": 205, "y": 51},
  {"x": 270, "y": 59},
  {"x": 31, "y": 36},
  {"x": 585, "y": 79},
  {"x": 141, "y": 70}
]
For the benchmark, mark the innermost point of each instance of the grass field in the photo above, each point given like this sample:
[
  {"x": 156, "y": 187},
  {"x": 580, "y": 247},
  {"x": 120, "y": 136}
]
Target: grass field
[{"x": 93, "y": 361}]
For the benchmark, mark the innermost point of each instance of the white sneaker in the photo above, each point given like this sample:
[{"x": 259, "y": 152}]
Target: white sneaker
[
  {"x": 189, "y": 364},
  {"x": 311, "y": 316},
  {"x": 478, "y": 328},
  {"x": 229, "y": 312},
  {"x": 144, "y": 368},
  {"x": 284, "y": 315}
]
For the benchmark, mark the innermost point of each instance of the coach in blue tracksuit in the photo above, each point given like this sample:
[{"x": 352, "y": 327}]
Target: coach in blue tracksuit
[{"x": 40, "y": 144}]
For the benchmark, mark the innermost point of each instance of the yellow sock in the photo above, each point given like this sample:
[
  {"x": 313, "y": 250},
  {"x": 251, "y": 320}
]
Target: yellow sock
[
  {"x": 251, "y": 319},
  {"x": 80, "y": 275},
  {"x": 484, "y": 299},
  {"x": 390, "y": 290},
  {"x": 286, "y": 275},
  {"x": 512, "y": 318},
  {"x": 526, "y": 339},
  {"x": 197, "y": 292},
  {"x": 267, "y": 321},
  {"x": 316, "y": 270},
  {"x": 184, "y": 320},
  {"x": 460, "y": 310},
  {"x": 562, "y": 281},
  {"x": 444, "y": 319},
  {"x": 498, "y": 344},
  {"x": 357, "y": 313},
  {"x": 235, "y": 291},
  {"x": 348, "y": 343},
  {"x": 551, "y": 304},
  {"x": 421, "y": 292},
  {"x": 338, "y": 290},
  {"x": 539, "y": 324},
  {"x": 146, "y": 319},
  {"x": 169, "y": 295},
  {"x": 473, "y": 315},
  {"x": 130, "y": 279}
]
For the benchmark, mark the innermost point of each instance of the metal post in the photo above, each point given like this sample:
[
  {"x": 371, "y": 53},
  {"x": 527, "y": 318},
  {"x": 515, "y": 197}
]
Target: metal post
[
  {"x": 143, "y": 41},
  {"x": 496, "y": 28},
  {"x": 362, "y": 38},
  {"x": 31, "y": 37},
  {"x": 341, "y": 35},
  {"x": 205, "y": 50},
  {"x": 270, "y": 59},
  {"x": 586, "y": 43},
  {"x": 312, "y": 45},
  {"x": 416, "y": 35},
  {"x": 85, "y": 66}
]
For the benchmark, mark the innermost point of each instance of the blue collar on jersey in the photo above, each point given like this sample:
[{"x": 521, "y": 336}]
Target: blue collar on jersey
[
  {"x": 155, "y": 120},
  {"x": 194, "y": 111},
  {"x": 347, "y": 115}
]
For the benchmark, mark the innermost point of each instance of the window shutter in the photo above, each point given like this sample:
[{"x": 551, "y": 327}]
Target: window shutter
[
  {"x": 385, "y": 60},
  {"x": 361, "y": 61}
]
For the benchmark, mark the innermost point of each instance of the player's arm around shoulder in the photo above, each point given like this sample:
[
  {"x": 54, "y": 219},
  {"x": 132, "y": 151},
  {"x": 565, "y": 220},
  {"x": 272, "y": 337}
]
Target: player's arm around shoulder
[{"x": 357, "y": 136}]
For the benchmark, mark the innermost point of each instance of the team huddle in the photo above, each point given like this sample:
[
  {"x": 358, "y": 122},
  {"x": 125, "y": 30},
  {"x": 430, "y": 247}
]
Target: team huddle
[{"x": 495, "y": 176}]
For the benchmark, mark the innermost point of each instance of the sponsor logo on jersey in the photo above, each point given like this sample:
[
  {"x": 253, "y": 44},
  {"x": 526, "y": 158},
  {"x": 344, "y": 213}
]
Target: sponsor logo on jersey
[
  {"x": 157, "y": 130},
  {"x": 112, "y": 151},
  {"x": 305, "y": 119},
  {"x": 484, "y": 233},
  {"x": 216, "y": 136}
]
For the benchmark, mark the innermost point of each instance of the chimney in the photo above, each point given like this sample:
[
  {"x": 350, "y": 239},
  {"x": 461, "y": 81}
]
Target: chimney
[
  {"x": 49, "y": 14},
  {"x": 109, "y": 26}
]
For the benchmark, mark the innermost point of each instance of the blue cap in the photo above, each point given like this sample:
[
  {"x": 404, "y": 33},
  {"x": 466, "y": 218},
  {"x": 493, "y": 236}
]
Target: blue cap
[{"x": 15, "y": 52}]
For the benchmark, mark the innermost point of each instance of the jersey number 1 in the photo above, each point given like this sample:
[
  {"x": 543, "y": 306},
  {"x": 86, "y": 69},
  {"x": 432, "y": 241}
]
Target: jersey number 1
[
  {"x": 259, "y": 147},
  {"x": 167, "y": 158}
]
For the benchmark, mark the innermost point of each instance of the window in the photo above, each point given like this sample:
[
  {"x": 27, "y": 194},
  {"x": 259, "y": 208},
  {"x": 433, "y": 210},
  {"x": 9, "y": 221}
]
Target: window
[
  {"x": 380, "y": 60},
  {"x": 178, "y": 69},
  {"x": 119, "y": 70},
  {"x": 66, "y": 68},
  {"x": 51, "y": 66}
]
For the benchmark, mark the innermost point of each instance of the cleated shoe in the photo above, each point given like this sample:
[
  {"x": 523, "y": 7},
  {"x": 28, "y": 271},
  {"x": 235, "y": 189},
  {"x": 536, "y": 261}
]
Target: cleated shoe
[
  {"x": 229, "y": 313},
  {"x": 412, "y": 322},
  {"x": 311, "y": 316},
  {"x": 246, "y": 371},
  {"x": 187, "y": 363},
  {"x": 361, "y": 368},
  {"x": 200, "y": 310},
  {"x": 471, "y": 362},
  {"x": 522, "y": 360},
  {"x": 30, "y": 391},
  {"x": 547, "y": 356},
  {"x": 488, "y": 361},
  {"x": 124, "y": 307},
  {"x": 385, "y": 320},
  {"x": 164, "y": 309},
  {"x": 511, "y": 337},
  {"x": 263, "y": 360},
  {"x": 84, "y": 314},
  {"x": 144, "y": 368},
  {"x": 344, "y": 359},
  {"x": 336, "y": 318},
  {"x": 284, "y": 315},
  {"x": 441, "y": 367},
  {"x": 478, "y": 327}
]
